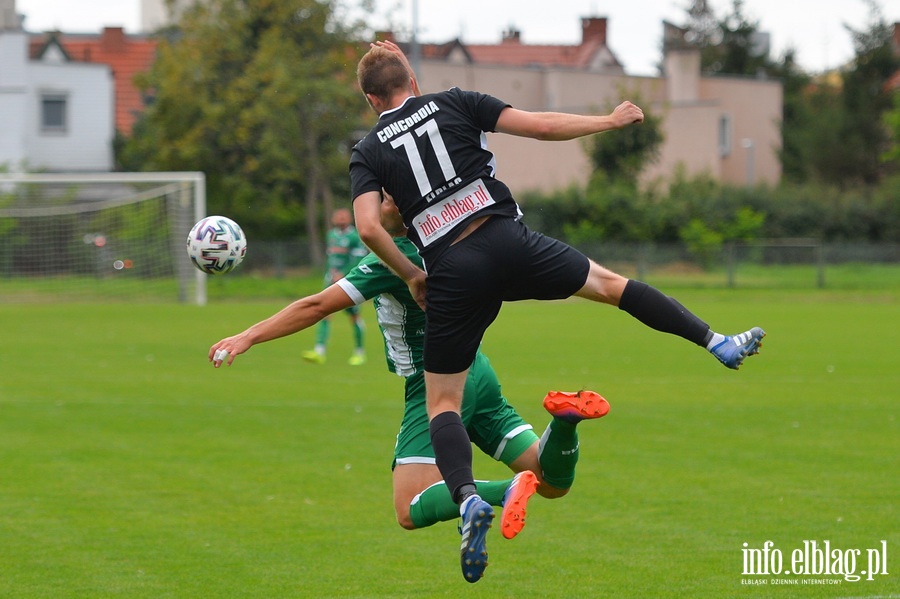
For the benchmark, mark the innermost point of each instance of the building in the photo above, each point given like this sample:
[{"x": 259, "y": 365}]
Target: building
[
  {"x": 54, "y": 114},
  {"x": 126, "y": 54},
  {"x": 63, "y": 96},
  {"x": 727, "y": 127}
]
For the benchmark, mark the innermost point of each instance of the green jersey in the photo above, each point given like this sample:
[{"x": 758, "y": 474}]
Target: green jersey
[
  {"x": 401, "y": 320},
  {"x": 492, "y": 424},
  {"x": 344, "y": 250}
]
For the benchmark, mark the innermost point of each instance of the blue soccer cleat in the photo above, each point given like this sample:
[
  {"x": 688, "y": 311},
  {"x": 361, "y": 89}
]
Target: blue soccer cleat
[
  {"x": 476, "y": 520},
  {"x": 732, "y": 351}
]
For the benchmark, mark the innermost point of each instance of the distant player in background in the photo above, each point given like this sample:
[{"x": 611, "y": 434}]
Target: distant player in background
[
  {"x": 421, "y": 498},
  {"x": 344, "y": 251}
]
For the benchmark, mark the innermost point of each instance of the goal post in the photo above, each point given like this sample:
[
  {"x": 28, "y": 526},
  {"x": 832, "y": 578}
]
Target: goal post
[{"x": 99, "y": 236}]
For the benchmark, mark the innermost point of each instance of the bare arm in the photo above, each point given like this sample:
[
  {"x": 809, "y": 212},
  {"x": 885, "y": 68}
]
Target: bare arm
[
  {"x": 559, "y": 126},
  {"x": 367, "y": 212},
  {"x": 295, "y": 317}
]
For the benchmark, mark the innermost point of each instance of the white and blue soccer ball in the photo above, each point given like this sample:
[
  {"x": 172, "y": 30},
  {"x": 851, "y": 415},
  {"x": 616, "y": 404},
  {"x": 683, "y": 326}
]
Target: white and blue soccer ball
[{"x": 216, "y": 245}]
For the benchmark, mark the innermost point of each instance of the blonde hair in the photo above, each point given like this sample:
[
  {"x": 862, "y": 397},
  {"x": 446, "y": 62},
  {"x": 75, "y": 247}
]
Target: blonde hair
[{"x": 381, "y": 73}]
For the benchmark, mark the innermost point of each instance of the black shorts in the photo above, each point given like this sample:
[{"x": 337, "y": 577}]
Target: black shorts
[{"x": 503, "y": 260}]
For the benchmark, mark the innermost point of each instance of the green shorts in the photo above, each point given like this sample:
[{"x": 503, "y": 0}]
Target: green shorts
[{"x": 493, "y": 425}]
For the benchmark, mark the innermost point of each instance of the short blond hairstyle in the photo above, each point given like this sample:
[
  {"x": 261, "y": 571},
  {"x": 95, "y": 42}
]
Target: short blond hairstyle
[{"x": 381, "y": 73}]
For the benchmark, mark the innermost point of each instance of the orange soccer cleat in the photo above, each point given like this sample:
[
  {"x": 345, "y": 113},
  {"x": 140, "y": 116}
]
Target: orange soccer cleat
[
  {"x": 576, "y": 406},
  {"x": 515, "y": 500}
]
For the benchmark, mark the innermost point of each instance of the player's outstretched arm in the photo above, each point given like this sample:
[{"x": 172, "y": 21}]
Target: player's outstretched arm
[
  {"x": 561, "y": 126},
  {"x": 300, "y": 315}
]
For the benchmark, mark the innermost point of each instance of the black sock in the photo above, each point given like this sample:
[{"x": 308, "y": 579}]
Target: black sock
[
  {"x": 663, "y": 313},
  {"x": 452, "y": 452}
]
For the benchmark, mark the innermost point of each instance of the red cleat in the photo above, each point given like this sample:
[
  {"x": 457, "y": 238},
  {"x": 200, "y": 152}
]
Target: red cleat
[
  {"x": 515, "y": 501},
  {"x": 577, "y": 406}
]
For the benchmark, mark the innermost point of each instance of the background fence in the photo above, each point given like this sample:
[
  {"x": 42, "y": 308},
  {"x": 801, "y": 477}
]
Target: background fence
[{"x": 272, "y": 269}]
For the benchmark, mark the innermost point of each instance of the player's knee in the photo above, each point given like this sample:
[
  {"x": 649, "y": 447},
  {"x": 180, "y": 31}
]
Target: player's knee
[
  {"x": 404, "y": 520},
  {"x": 548, "y": 491},
  {"x": 603, "y": 285}
]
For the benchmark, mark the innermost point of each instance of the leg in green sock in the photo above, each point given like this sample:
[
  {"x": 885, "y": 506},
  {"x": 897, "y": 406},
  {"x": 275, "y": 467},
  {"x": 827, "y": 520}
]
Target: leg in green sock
[
  {"x": 359, "y": 330},
  {"x": 322, "y": 332},
  {"x": 558, "y": 453},
  {"x": 434, "y": 504}
]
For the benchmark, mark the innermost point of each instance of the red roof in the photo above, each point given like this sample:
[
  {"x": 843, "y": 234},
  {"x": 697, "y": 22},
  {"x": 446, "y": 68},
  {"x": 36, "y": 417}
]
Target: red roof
[
  {"x": 512, "y": 52},
  {"x": 127, "y": 55}
]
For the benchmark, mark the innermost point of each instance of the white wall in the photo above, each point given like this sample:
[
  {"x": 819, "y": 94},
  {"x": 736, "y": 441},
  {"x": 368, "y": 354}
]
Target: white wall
[
  {"x": 13, "y": 97},
  {"x": 86, "y": 144},
  {"x": 8, "y": 17},
  {"x": 690, "y": 107}
]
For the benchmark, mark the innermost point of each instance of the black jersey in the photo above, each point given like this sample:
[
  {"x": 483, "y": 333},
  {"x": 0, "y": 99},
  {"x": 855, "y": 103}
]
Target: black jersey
[{"x": 430, "y": 155}]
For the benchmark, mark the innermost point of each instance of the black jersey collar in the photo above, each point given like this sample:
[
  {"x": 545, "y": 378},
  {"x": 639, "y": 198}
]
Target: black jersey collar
[{"x": 395, "y": 109}]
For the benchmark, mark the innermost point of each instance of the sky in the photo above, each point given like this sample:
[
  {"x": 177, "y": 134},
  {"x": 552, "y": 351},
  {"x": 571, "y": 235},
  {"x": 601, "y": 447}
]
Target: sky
[{"x": 814, "y": 28}]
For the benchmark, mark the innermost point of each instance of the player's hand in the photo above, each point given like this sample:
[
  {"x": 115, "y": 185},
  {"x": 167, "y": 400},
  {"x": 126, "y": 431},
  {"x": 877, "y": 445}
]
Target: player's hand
[
  {"x": 417, "y": 288},
  {"x": 227, "y": 350},
  {"x": 626, "y": 114}
]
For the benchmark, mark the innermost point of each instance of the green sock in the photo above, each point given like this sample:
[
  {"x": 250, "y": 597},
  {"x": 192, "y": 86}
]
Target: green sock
[
  {"x": 558, "y": 453},
  {"x": 434, "y": 504},
  {"x": 359, "y": 329},
  {"x": 322, "y": 333}
]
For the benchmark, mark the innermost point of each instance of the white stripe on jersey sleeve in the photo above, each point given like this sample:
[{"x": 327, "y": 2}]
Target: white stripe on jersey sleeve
[{"x": 351, "y": 291}]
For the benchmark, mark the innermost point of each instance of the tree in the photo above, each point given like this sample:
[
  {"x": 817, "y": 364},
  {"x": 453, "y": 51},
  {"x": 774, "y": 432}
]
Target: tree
[
  {"x": 261, "y": 96},
  {"x": 833, "y": 128},
  {"x": 623, "y": 154},
  {"x": 796, "y": 121},
  {"x": 841, "y": 129},
  {"x": 892, "y": 123},
  {"x": 702, "y": 28},
  {"x": 731, "y": 45},
  {"x": 866, "y": 99},
  {"x": 612, "y": 206}
]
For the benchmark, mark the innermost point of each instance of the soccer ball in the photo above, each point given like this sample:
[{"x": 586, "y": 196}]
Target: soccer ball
[{"x": 216, "y": 245}]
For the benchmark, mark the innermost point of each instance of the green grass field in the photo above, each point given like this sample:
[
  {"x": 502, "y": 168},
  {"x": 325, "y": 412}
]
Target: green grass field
[{"x": 131, "y": 468}]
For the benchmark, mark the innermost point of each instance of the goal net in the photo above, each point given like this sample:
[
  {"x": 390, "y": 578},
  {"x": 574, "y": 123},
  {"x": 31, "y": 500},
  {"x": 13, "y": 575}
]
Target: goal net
[{"x": 99, "y": 237}]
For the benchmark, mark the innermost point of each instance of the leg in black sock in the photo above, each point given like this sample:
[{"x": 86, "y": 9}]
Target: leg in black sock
[
  {"x": 453, "y": 454},
  {"x": 663, "y": 313}
]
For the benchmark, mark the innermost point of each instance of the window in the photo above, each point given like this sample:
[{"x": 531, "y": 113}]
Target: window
[
  {"x": 53, "y": 113},
  {"x": 724, "y": 135}
]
